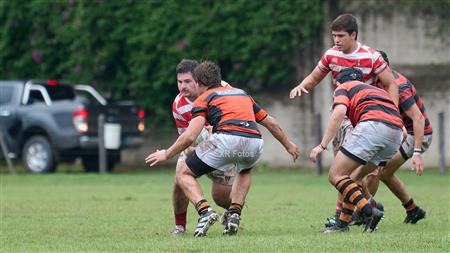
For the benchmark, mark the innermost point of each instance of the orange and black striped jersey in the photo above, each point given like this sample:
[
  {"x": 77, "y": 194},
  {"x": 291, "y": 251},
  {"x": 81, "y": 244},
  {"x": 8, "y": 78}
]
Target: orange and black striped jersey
[
  {"x": 230, "y": 110},
  {"x": 408, "y": 96},
  {"x": 366, "y": 102}
]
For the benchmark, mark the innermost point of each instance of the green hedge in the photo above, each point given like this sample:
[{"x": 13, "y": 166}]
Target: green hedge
[{"x": 130, "y": 48}]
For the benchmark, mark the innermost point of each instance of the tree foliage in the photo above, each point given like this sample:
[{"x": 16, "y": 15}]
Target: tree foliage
[{"x": 131, "y": 48}]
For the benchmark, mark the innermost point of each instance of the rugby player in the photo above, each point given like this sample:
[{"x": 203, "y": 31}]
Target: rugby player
[
  {"x": 181, "y": 111},
  {"x": 347, "y": 52},
  {"x": 235, "y": 140},
  {"x": 375, "y": 138}
]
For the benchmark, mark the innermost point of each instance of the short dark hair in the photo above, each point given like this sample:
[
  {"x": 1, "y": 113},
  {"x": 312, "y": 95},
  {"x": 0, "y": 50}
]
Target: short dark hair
[
  {"x": 384, "y": 55},
  {"x": 345, "y": 22},
  {"x": 350, "y": 74},
  {"x": 186, "y": 66},
  {"x": 208, "y": 74}
]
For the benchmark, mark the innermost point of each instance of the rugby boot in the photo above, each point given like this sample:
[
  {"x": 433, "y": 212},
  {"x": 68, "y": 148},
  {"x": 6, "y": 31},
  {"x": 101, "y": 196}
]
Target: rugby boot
[
  {"x": 232, "y": 224},
  {"x": 414, "y": 216},
  {"x": 205, "y": 221}
]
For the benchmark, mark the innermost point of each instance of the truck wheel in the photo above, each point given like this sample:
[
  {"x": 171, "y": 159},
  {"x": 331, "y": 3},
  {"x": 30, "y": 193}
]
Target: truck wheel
[
  {"x": 91, "y": 164},
  {"x": 38, "y": 156}
]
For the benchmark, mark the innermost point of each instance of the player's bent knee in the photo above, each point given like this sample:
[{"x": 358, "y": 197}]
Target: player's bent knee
[{"x": 385, "y": 175}]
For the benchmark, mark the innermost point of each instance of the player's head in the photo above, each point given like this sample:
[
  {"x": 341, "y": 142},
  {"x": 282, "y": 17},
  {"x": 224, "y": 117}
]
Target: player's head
[
  {"x": 345, "y": 31},
  {"x": 185, "y": 80},
  {"x": 207, "y": 75},
  {"x": 384, "y": 55},
  {"x": 349, "y": 74}
]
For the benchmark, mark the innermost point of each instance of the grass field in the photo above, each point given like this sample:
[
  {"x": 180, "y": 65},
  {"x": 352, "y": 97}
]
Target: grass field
[{"x": 131, "y": 212}]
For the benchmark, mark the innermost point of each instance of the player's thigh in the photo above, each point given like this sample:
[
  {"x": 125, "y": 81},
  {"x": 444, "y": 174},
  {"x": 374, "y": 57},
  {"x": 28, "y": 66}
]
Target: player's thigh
[
  {"x": 359, "y": 173},
  {"x": 392, "y": 166},
  {"x": 220, "y": 191},
  {"x": 342, "y": 166},
  {"x": 182, "y": 170}
]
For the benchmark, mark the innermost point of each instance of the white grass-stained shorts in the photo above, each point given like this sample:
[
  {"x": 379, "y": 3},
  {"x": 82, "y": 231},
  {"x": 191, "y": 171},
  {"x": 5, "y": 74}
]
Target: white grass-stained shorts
[
  {"x": 223, "y": 177},
  {"x": 222, "y": 150},
  {"x": 344, "y": 129},
  {"x": 372, "y": 141},
  {"x": 407, "y": 148}
]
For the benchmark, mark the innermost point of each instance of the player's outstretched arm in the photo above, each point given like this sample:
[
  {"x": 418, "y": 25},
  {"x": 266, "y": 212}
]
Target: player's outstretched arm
[
  {"x": 308, "y": 83},
  {"x": 183, "y": 141},
  {"x": 275, "y": 129},
  {"x": 336, "y": 119},
  {"x": 416, "y": 115}
]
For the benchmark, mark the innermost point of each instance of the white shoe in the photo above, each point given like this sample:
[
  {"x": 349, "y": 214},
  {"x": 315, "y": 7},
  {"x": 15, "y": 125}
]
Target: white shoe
[{"x": 205, "y": 222}]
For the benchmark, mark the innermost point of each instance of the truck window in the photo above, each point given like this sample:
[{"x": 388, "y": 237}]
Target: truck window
[
  {"x": 6, "y": 95},
  {"x": 36, "y": 97},
  {"x": 60, "y": 92},
  {"x": 86, "y": 98}
]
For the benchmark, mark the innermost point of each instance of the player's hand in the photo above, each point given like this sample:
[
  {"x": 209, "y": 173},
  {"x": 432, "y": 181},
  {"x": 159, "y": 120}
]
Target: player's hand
[
  {"x": 297, "y": 91},
  {"x": 417, "y": 164},
  {"x": 293, "y": 150},
  {"x": 156, "y": 157},
  {"x": 315, "y": 152}
]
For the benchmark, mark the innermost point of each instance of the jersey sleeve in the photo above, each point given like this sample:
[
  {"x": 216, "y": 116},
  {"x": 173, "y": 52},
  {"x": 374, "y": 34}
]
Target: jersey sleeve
[
  {"x": 379, "y": 64},
  {"x": 323, "y": 64},
  {"x": 406, "y": 96},
  {"x": 260, "y": 113},
  {"x": 180, "y": 121},
  {"x": 341, "y": 97}
]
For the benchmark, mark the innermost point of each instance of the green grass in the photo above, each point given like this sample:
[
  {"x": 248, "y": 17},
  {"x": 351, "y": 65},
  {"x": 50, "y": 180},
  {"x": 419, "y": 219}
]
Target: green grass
[{"x": 131, "y": 212}]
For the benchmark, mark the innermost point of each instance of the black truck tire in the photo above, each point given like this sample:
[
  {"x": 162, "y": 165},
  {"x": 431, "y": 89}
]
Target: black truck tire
[{"x": 38, "y": 155}]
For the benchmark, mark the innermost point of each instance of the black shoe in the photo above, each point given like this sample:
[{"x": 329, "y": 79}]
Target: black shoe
[
  {"x": 336, "y": 228},
  {"x": 232, "y": 224},
  {"x": 357, "y": 218},
  {"x": 370, "y": 223},
  {"x": 331, "y": 221},
  {"x": 415, "y": 216},
  {"x": 380, "y": 206}
]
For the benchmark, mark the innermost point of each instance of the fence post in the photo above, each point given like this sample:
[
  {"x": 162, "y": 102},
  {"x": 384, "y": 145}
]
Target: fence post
[
  {"x": 318, "y": 126},
  {"x": 102, "y": 161},
  {"x": 442, "y": 165}
]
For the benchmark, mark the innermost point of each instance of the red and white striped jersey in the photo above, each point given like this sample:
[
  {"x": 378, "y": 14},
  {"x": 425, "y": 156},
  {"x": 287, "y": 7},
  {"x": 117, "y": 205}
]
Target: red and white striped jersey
[
  {"x": 181, "y": 110},
  {"x": 369, "y": 61}
]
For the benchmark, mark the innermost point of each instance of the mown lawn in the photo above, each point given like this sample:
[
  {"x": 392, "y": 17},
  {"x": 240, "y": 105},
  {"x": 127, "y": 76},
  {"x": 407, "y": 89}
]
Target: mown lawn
[{"x": 131, "y": 212}]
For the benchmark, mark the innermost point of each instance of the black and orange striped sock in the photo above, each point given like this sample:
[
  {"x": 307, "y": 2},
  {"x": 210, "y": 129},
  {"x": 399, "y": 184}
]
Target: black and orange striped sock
[
  {"x": 202, "y": 206},
  {"x": 235, "y": 208},
  {"x": 410, "y": 206},
  {"x": 346, "y": 215},
  {"x": 351, "y": 193}
]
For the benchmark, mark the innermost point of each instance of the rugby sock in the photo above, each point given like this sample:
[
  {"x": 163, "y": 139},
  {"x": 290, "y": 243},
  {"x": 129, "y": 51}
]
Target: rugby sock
[
  {"x": 180, "y": 219},
  {"x": 346, "y": 215},
  {"x": 202, "y": 206},
  {"x": 350, "y": 190},
  {"x": 338, "y": 208},
  {"x": 235, "y": 208},
  {"x": 410, "y": 206}
]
